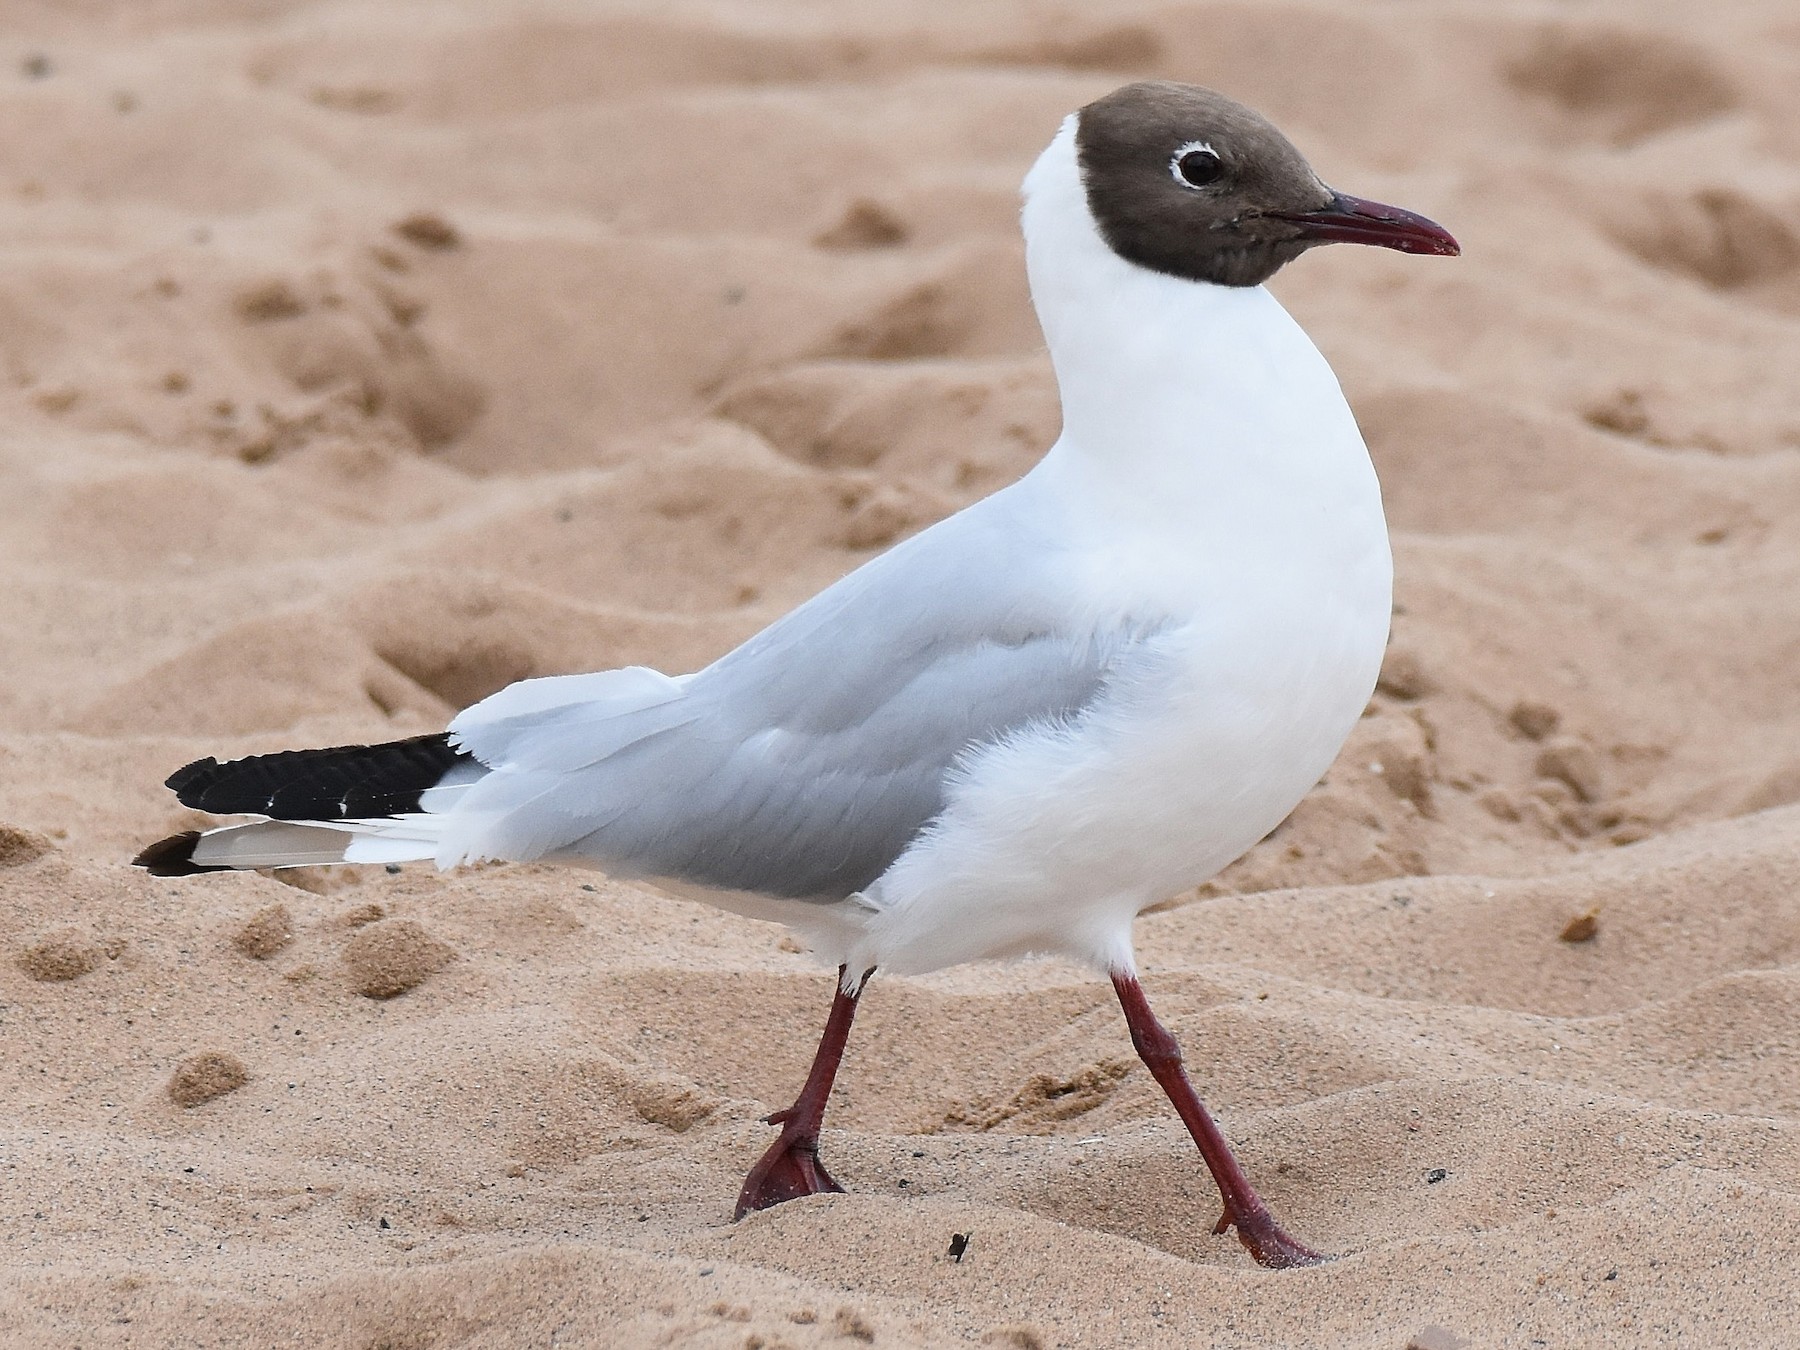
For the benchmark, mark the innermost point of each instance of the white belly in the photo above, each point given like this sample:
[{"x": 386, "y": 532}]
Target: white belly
[{"x": 1053, "y": 842}]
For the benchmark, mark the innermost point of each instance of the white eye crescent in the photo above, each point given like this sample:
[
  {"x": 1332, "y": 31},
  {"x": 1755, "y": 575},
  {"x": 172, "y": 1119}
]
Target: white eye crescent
[{"x": 1195, "y": 164}]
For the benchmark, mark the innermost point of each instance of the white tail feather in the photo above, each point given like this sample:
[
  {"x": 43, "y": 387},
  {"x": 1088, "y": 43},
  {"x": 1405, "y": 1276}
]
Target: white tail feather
[
  {"x": 283, "y": 843},
  {"x": 368, "y": 849},
  {"x": 270, "y": 843}
]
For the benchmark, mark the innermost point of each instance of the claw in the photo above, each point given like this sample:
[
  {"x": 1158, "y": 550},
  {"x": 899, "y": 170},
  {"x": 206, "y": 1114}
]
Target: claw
[
  {"x": 789, "y": 1170},
  {"x": 1272, "y": 1247}
]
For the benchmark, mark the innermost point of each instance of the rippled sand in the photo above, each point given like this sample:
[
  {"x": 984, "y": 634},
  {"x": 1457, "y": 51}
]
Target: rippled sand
[{"x": 358, "y": 359}]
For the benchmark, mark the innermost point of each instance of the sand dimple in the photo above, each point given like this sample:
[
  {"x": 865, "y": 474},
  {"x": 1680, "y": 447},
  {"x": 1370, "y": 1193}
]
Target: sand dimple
[
  {"x": 19, "y": 846},
  {"x": 853, "y": 1325},
  {"x": 926, "y": 320},
  {"x": 1534, "y": 720},
  {"x": 864, "y": 224},
  {"x": 361, "y": 916},
  {"x": 1046, "y": 1100},
  {"x": 201, "y": 1077},
  {"x": 429, "y": 231},
  {"x": 1620, "y": 85},
  {"x": 669, "y": 1101},
  {"x": 264, "y": 933},
  {"x": 1572, "y": 761},
  {"x": 67, "y": 954},
  {"x": 390, "y": 956},
  {"x": 269, "y": 301},
  {"x": 1724, "y": 238},
  {"x": 1403, "y": 675}
]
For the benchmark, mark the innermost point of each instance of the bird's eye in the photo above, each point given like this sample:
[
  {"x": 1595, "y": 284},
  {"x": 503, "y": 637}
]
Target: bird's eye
[{"x": 1196, "y": 165}]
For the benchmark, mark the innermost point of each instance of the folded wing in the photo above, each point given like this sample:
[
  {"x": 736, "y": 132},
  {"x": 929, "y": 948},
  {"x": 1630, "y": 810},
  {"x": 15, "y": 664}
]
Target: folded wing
[{"x": 801, "y": 764}]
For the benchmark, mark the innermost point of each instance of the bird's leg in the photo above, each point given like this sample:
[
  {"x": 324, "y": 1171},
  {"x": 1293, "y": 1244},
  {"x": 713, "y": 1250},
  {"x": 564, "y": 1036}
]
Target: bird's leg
[
  {"x": 791, "y": 1167},
  {"x": 1244, "y": 1208}
]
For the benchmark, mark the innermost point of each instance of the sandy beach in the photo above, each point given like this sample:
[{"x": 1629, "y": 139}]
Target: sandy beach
[{"x": 357, "y": 360}]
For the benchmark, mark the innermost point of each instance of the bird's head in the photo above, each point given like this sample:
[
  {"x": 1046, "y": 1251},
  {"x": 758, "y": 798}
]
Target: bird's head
[{"x": 1187, "y": 182}]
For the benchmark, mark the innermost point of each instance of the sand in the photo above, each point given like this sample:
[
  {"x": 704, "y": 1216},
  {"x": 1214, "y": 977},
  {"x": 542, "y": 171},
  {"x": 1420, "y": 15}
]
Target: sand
[{"x": 358, "y": 359}]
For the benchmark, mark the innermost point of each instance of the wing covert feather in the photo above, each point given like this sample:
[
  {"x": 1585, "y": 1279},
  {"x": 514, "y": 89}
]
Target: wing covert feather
[{"x": 803, "y": 762}]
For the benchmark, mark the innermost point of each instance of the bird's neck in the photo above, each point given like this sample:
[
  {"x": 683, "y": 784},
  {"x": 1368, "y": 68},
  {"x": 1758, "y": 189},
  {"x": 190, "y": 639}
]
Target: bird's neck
[
  {"x": 1175, "y": 386},
  {"x": 1168, "y": 372},
  {"x": 1191, "y": 411}
]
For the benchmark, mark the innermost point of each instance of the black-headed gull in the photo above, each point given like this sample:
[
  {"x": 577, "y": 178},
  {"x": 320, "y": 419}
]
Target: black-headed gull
[{"x": 1019, "y": 728}]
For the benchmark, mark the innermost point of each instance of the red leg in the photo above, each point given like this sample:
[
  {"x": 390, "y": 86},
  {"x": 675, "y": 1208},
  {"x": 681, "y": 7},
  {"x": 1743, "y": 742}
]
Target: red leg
[
  {"x": 791, "y": 1167},
  {"x": 1244, "y": 1208}
]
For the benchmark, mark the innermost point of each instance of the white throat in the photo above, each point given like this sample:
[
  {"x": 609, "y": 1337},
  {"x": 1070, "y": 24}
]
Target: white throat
[{"x": 1192, "y": 406}]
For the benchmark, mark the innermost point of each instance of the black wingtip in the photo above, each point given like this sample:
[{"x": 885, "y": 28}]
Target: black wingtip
[
  {"x": 324, "y": 784},
  {"x": 174, "y": 857},
  {"x": 187, "y": 773}
]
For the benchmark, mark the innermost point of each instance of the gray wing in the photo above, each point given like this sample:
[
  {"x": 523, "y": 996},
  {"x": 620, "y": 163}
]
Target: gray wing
[
  {"x": 802, "y": 764},
  {"x": 817, "y": 805}
]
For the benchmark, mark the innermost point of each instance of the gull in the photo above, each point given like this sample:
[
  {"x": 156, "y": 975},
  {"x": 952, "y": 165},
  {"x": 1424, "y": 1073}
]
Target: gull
[{"x": 1016, "y": 730}]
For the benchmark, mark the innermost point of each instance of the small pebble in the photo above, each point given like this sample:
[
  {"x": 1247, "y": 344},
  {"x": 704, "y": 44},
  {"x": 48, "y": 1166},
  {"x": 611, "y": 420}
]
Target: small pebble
[{"x": 1582, "y": 927}]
